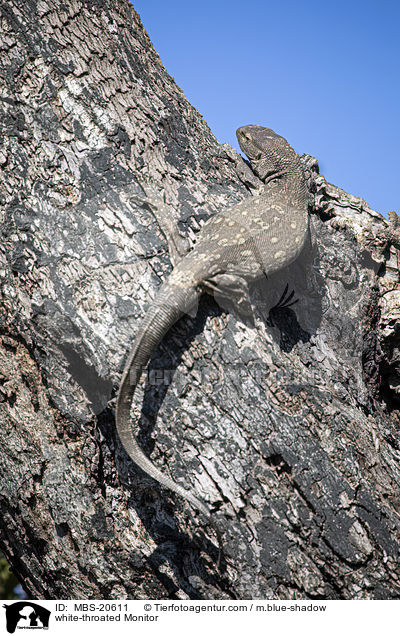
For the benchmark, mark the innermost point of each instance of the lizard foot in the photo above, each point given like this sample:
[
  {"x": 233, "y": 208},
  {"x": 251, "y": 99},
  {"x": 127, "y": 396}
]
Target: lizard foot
[{"x": 285, "y": 301}]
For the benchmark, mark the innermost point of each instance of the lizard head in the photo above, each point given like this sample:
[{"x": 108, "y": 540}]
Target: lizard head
[{"x": 270, "y": 154}]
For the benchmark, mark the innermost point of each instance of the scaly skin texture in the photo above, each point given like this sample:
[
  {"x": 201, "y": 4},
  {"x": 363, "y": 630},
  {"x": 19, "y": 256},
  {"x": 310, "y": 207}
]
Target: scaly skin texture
[{"x": 256, "y": 237}]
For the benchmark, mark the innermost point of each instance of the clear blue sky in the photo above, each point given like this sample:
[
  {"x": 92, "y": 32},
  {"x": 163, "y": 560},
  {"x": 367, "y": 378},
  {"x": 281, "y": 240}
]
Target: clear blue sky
[{"x": 324, "y": 75}]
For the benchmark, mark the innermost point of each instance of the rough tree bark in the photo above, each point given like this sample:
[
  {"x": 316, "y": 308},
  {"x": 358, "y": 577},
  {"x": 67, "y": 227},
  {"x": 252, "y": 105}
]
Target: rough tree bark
[{"x": 289, "y": 424}]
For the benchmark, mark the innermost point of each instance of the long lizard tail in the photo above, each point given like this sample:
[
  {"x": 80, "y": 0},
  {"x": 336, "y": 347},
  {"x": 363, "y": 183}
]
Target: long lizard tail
[{"x": 170, "y": 304}]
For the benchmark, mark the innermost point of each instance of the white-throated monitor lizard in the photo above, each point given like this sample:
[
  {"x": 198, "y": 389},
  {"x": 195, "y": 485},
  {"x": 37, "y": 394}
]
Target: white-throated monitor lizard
[{"x": 254, "y": 238}]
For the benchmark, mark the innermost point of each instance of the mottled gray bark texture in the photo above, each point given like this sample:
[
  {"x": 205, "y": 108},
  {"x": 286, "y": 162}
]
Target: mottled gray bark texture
[{"x": 288, "y": 424}]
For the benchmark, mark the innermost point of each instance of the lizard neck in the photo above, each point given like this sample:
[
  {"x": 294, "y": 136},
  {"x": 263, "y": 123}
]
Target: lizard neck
[{"x": 290, "y": 182}]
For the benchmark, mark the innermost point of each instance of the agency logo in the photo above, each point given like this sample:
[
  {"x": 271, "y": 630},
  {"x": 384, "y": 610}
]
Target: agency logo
[{"x": 26, "y": 615}]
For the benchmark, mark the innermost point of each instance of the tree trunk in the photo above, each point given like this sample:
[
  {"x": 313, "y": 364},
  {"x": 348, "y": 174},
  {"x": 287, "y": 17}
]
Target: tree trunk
[{"x": 286, "y": 423}]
